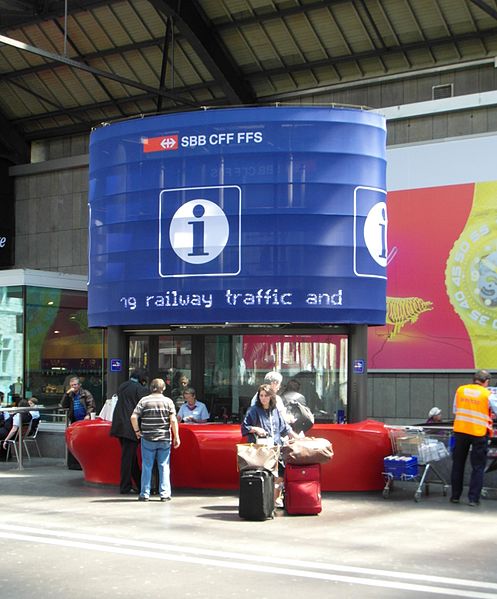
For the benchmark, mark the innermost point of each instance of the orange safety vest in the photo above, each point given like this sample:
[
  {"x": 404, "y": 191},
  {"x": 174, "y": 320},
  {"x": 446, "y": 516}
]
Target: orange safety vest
[{"x": 471, "y": 408}]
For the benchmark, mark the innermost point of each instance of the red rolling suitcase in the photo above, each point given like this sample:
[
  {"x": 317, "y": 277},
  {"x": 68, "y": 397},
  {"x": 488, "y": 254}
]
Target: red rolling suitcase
[{"x": 303, "y": 489}]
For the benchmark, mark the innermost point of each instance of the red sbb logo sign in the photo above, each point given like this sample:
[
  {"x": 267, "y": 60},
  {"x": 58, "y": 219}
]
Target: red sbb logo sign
[{"x": 165, "y": 143}]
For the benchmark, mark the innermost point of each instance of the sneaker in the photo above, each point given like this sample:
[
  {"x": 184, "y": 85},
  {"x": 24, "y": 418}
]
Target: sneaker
[
  {"x": 454, "y": 500},
  {"x": 165, "y": 499},
  {"x": 143, "y": 498},
  {"x": 473, "y": 503}
]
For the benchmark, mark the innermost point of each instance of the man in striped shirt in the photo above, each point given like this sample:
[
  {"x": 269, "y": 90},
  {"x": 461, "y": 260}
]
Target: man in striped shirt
[{"x": 152, "y": 420}]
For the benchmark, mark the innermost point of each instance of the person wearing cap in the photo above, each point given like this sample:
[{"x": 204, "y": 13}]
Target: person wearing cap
[
  {"x": 434, "y": 416},
  {"x": 472, "y": 427}
]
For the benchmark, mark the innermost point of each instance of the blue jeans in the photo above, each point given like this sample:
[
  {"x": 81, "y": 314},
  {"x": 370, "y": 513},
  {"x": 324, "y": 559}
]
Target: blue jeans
[{"x": 151, "y": 451}]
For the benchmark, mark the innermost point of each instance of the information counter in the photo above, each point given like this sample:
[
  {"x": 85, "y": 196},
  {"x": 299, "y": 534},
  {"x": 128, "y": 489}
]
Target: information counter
[{"x": 206, "y": 458}]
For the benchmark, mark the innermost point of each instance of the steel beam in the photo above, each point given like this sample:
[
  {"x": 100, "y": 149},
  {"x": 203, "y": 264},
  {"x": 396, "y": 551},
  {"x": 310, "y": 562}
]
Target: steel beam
[
  {"x": 485, "y": 8},
  {"x": 165, "y": 54},
  {"x": 96, "y": 72},
  {"x": 205, "y": 42},
  {"x": 377, "y": 52},
  {"x": 21, "y": 15}
]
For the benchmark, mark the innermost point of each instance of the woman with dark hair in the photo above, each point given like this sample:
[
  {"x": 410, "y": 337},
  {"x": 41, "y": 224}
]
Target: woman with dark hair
[{"x": 264, "y": 421}]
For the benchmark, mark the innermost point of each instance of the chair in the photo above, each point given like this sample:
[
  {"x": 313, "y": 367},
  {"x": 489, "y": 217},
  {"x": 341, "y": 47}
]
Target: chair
[
  {"x": 13, "y": 442},
  {"x": 30, "y": 437}
]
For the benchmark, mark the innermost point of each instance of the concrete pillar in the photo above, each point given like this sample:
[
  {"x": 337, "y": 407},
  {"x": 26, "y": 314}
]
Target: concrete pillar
[
  {"x": 357, "y": 388},
  {"x": 116, "y": 350},
  {"x": 7, "y": 222}
]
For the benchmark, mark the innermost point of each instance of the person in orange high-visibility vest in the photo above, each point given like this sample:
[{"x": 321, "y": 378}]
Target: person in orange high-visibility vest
[{"x": 472, "y": 427}]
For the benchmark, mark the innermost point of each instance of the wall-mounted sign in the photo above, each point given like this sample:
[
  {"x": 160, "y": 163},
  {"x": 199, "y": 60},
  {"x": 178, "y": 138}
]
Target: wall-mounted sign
[
  {"x": 266, "y": 215},
  {"x": 359, "y": 366},
  {"x": 116, "y": 365},
  {"x": 6, "y": 248}
]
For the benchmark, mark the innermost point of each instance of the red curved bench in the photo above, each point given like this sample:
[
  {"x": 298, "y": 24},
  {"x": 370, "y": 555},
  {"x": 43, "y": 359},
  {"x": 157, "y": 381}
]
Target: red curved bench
[{"x": 206, "y": 458}]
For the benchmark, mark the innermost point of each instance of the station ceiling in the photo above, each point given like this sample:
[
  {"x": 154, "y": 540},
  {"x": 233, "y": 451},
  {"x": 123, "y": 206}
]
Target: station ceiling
[{"x": 68, "y": 65}]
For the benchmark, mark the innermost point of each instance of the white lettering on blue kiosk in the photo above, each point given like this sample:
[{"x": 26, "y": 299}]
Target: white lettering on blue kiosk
[
  {"x": 370, "y": 232},
  {"x": 200, "y": 236}
]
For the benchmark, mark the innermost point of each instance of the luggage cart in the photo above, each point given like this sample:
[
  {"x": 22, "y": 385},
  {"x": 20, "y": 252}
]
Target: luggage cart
[
  {"x": 412, "y": 459},
  {"x": 491, "y": 492}
]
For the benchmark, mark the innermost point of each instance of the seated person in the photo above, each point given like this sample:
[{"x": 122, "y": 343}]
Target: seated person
[
  {"x": 192, "y": 410},
  {"x": 434, "y": 416},
  {"x": 5, "y": 424},
  {"x": 17, "y": 419},
  {"x": 33, "y": 403}
]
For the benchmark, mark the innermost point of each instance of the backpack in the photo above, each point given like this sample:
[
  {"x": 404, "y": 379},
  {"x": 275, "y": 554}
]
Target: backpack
[{"x": 304, "y": 418}]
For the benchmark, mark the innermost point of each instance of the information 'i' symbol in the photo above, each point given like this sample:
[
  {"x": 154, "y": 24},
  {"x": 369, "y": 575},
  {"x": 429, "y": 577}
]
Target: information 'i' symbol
[
  {"x": 199, "y": 231},
  {"x": 383, "y": 230},
  {"x": 375, "y": 233},
  {"x": 198, "y": 246}
]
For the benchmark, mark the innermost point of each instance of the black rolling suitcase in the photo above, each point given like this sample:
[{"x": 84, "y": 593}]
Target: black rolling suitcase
[{"x": 256, "y": 495}]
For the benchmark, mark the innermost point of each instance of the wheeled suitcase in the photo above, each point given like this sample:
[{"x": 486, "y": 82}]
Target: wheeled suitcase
[
  {"x": 303, "y": 489},
  {"x": 256, "y": 495}
]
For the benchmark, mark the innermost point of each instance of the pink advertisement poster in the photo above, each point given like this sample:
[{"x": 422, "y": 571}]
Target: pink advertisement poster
[{"x": 423, "y": 330}]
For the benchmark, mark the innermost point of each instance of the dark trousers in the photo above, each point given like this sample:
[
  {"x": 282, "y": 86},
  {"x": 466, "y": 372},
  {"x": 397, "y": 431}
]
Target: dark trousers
[
  {"x": 4, "y": 431},
  {"x": 130, "y": 470},
  {"x": 478, "y": 459},
  {"x": 72, "y": 462}
]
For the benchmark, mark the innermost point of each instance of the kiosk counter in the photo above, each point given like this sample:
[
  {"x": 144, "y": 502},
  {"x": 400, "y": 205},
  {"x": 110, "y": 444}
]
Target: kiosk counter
[{"x": 206, "y": 458}]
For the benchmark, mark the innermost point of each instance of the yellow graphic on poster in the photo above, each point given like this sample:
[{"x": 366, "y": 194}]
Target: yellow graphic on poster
[
  {"x": 404, "y": 310},
  {"x": 471, "y": 275}
]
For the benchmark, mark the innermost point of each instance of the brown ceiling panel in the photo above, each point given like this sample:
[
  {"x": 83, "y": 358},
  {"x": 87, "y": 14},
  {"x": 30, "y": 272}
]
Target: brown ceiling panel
[{"x": 220, "y": 52}]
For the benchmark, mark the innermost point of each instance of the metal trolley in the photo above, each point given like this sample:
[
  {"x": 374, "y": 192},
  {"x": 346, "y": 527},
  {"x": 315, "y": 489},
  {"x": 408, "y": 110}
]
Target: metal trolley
[
  {"x": 491, "y": 492},
  {"x": 412, "y": 459}
]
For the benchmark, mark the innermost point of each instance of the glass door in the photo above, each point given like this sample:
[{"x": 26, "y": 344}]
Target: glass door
[
  {"x": 315, "y": 365},
  {"x": 175, "y": 365},
  {"x": 226, "y": 370},
  {"x": 138, "y": 352},
  {"x": 168, "y": 357}
]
